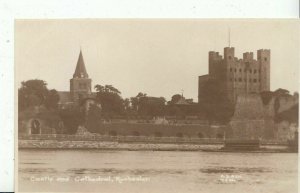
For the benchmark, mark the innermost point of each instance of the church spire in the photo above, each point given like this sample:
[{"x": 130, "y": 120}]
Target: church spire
[{"x": 80, "y": 71}]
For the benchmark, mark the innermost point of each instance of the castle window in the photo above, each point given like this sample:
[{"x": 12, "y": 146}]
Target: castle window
[
  {"x": 240, "y": 70},
  {"x": 254, "y": 71},
  {"x": 240, "y": 79},
  {"x": 230, "y": 69},
  {"x": 235, "y": 70},
  {"x": 229, "y": 57},
  {"x": 254, "y": 80},
  {"x": 266, "y": 58},
  {"x": 250, "y": 71}
]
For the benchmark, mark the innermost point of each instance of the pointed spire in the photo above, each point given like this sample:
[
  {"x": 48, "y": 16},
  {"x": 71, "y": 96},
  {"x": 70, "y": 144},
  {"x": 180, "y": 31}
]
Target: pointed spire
[{"x": 80, "y": 71}]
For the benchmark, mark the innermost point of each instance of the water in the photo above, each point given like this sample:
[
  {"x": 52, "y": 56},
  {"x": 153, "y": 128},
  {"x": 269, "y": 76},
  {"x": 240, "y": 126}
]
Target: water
[{"x": 160, "y": 171}]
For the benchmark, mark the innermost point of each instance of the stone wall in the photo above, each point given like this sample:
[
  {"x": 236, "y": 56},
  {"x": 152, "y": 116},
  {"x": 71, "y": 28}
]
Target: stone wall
[
  {"x": 161, "y": 130},
  {"x": 25, "y": 126},
  {"x": 248, "y": 119},
  {"x": 114, "y": 145}
]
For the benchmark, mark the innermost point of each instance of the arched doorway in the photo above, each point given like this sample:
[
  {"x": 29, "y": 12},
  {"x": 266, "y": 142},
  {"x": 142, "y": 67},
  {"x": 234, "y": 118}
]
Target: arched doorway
[{"x": 35, "y": 127}]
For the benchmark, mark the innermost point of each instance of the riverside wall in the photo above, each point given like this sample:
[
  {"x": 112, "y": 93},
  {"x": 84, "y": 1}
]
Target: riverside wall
[
  {"x": 114, "y": 145},
  {"x": 126, "y": 143}
]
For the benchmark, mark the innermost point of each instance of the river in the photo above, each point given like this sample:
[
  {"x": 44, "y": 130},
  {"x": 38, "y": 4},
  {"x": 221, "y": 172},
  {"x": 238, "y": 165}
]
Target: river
[{"x": 156, "y": 171}]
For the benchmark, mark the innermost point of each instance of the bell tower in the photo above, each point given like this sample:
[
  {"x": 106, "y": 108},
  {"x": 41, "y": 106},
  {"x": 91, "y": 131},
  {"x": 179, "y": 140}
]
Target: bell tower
[{"x": 80, "y": 84}]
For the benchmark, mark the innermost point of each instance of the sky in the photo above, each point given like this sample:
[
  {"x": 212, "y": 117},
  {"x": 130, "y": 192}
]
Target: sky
[{"x": 160, "y": 57}]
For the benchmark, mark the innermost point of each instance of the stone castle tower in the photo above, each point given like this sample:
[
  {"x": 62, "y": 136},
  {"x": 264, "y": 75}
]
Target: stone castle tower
[
  {"x": 238, "y": 76},
  {"x": 80, "y": 84}
]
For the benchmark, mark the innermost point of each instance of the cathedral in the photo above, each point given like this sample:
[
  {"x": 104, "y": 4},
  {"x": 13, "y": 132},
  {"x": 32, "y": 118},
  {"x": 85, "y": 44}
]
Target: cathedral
[{"x": 80, "y": 86}]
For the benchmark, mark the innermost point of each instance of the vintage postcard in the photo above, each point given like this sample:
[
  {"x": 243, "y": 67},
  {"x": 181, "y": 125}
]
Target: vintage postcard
[{"x": 157, "y": 105}]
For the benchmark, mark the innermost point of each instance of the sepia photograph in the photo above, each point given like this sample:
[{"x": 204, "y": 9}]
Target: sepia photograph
[{"x": 156, "y": 105}]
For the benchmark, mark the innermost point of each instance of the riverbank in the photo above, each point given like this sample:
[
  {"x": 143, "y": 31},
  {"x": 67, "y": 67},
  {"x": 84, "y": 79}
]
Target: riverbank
[{"x": 115, "y": 145}]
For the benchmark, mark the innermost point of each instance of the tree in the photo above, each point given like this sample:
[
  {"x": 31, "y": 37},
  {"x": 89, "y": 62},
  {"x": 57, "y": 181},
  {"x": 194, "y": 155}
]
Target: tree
[
  {"x": 110, "y": 100},
  {"x": 126, "y": 103},
  {"x": 266, "y": 97},
  {"x": 72, "y": 117},
  {"x": 35, "y": 93},
  {"x": 94, "y": 119},
  {"x": 140, "y": 94},
  {"x": 144, "y": 105},
  {"x": 281, "y": 92},
  {"x": 52, "y": 99},
  {"x": 175, "y": 98},
  {"x": 134, "y": 103}
]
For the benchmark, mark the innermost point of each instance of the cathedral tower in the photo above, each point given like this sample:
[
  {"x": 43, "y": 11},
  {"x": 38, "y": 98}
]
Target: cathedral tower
[{"x": 80, "y": 84}]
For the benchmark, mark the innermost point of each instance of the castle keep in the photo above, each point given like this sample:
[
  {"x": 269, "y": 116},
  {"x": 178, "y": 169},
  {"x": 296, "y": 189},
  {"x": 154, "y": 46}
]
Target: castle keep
[{"x": 238, "y": 76}]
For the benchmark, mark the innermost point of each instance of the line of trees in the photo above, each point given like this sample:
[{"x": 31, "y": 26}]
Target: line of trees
[
  {"x": 35, "y": 93},
  {"x": 114, "y": 105},
  {"x": 215, "y": 107},
  {"x": 141, "y": 105}
]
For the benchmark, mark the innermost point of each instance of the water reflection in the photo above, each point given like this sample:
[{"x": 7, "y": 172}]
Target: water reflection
[{"x": 183, "y": 171}]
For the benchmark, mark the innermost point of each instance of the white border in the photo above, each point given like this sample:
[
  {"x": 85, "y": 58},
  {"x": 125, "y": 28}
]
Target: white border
[{"x": 33, "y": 9}]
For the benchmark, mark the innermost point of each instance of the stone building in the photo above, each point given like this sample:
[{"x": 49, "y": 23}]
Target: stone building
[
  {"x": 80, "y": 87},
  {"x": 248, "y": 120},
  {"x": 275, "y": 119},
  {"x": 238, "y": 76}
]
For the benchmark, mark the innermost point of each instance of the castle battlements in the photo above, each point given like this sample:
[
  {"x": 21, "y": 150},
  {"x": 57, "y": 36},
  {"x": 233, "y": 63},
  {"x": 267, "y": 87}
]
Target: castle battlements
[
  {"x": 239, "y": 75},
  {"x": 247, "y": 56}
]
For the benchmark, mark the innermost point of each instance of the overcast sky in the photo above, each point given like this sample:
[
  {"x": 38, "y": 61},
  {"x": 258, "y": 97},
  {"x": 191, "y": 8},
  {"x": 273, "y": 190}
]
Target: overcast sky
[{"x": 157, "y": 57}]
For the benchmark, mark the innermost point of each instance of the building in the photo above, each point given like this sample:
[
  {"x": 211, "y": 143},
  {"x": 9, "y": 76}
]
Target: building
[
  {"x": 40, "y": 120},
  {"x": 248, "y": 120},
  {"x": 80, "y": 87},
  {"x": 237, "y": 76}
]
